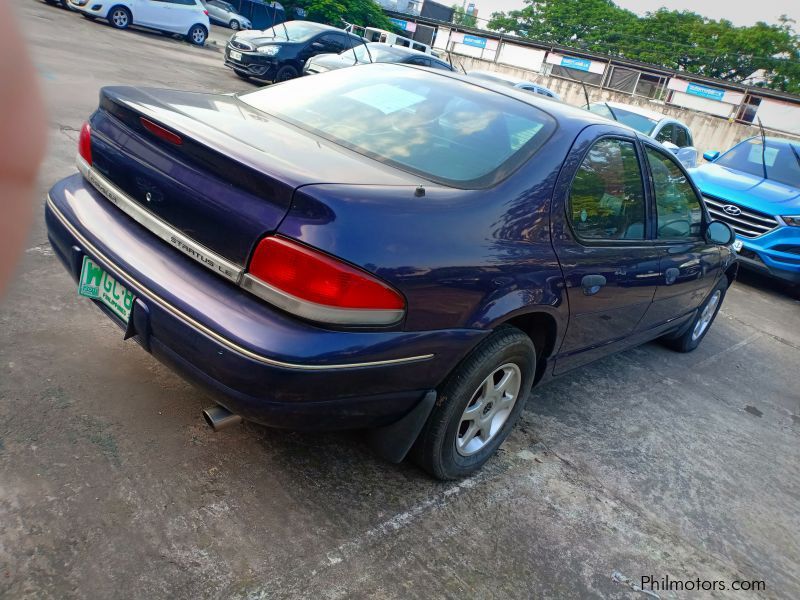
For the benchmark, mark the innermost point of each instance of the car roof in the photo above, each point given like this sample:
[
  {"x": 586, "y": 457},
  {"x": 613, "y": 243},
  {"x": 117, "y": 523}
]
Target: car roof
[
  {"x": 498, "y": 77},
  {"x": 638, "y": 110},
  {"x": 396, "y": 49}
]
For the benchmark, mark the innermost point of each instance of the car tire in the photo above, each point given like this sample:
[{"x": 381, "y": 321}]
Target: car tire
[
  {"x": 694, "y": 333},
  {"x": 234, "y": 24},
  {"x": 197, "y": 35},
  {"x": 477, "y": 405},
  {"x": 119, "y": 17},
  {"x": 285, "y": 73}
]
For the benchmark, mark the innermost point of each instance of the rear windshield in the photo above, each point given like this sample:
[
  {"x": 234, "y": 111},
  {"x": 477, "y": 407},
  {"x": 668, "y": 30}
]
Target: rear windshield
[
  {"x": 443, "y": 129},
  {"x": 640, "y": 123}
]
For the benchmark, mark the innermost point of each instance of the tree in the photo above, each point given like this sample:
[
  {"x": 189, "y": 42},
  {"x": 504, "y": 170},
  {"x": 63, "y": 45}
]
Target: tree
[
  {"x": 680, "y": 40},
  {"x": 460, "y": 17},
  {"x": 366, "y": 13}
]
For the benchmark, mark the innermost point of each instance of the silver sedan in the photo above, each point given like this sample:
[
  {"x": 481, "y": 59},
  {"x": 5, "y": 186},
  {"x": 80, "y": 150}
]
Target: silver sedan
[{"x": 223, "y": 13}]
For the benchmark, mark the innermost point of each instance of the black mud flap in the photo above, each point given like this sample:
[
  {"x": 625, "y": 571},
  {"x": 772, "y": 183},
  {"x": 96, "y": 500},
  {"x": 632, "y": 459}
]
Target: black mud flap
[{"x": 392, "y": 442}]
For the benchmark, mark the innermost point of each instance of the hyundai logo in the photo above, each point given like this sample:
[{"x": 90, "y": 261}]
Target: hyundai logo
[{"x": 732, "y": 210}]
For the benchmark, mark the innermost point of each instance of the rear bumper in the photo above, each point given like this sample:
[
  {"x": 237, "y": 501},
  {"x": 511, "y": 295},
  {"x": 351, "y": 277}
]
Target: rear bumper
[
  {"x": 260, "y": 363},
  {"x": 768, "y": 254}
]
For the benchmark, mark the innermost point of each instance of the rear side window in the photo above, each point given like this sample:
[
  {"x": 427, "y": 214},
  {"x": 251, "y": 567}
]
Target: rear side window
[
  {"x": 447, "y": 130},
  {"x": 606, "y": 200},
  {"x": 677, "y": 206}
]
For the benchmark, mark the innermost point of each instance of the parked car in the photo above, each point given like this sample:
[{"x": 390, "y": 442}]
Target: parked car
[
  {"x": 224, "y": 13},
  {"x": 185, "y": 17},
  {"x": 388, "y": 247},
  {"x": 61, "y": 3},
  {"x": 503, "y": 79},
  {"x": 756, "y": 190},
  {"x": 280, "y": 52},
  {"x": 670, "y": 132},
  {"x": 369, "y": 53}
]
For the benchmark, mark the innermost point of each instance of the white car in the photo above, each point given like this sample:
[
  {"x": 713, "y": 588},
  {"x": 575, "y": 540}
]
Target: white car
[
  {"x": 673, "y": 134},
  {"x": 185, "y": 17}
]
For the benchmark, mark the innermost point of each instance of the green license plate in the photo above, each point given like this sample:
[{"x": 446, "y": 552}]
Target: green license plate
[{"x": 96, "y": 283}]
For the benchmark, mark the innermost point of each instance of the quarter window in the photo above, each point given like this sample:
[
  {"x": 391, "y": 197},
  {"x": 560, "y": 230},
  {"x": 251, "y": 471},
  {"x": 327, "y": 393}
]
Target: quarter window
[
  {"x": 606, "y": 201},
  {"x": 677, "y": 206}
]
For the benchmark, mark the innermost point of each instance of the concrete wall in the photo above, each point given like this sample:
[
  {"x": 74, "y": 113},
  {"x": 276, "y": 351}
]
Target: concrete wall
[{"x": 709, "y": 132}]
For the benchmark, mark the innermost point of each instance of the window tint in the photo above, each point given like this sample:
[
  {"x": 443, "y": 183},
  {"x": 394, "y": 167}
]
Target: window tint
[
  {"x": 418, "y": 60},
  {"x": 666, "y": 134},
  {"x": 332, "y": 42},
  {"x": 677, "y": 206},
  {"x": 782, "y": 158},
  {"x": 682, "y": 137},
  {"x": 442, "y": 128},
  {"x": 606, "y": 201}
]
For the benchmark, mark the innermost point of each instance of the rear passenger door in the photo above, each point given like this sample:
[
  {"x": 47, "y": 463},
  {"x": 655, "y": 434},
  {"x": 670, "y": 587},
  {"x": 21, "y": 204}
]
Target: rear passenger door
[
  {"x": 689, "y": 265},
  {"x": 600, "y": 224}
]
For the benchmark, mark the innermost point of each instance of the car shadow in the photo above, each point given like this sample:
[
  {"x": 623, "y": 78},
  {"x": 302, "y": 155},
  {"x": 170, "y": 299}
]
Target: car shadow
[{"x": 768, "y": 284}]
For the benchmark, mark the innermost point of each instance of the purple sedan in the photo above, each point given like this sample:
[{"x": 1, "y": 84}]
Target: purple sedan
[{"x": 387, "y": 247}]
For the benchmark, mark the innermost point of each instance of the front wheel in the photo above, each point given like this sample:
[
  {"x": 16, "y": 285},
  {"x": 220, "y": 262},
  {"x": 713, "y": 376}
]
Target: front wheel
[
  {"x": 197, "y": 35},
  {"x": 477, "y": 406},
  {"x": 698, "y": 328},
  {"x": 234, "y": 24},
  {"x": 285, "y": 73},
  {"x": 119, "y": 17}
]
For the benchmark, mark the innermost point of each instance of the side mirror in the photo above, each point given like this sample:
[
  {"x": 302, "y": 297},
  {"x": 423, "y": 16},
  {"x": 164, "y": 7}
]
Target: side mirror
[
  {"x": 720, "y": 233},
  {"x": 670, "y": 146},
  {"x": 711, "y": 155}
]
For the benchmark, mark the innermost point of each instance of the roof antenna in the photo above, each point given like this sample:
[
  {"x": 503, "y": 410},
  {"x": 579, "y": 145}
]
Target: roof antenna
[
  {"x": 585, "y": 94},
  {"x": 763, "y": 147}
]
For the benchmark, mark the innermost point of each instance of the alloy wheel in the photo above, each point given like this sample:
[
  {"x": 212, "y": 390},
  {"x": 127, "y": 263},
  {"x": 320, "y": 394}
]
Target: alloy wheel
[
  {"x": 488, "y": 409},
  {"x": 707, "y": 315},
  {"x": 120, "y": 18}
]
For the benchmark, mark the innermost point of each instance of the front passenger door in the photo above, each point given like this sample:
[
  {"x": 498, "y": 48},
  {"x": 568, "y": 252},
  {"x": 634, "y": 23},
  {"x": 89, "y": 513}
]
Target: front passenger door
[
  {"x": 689, "y": 264},
  {"x": 600, "y": 231}
]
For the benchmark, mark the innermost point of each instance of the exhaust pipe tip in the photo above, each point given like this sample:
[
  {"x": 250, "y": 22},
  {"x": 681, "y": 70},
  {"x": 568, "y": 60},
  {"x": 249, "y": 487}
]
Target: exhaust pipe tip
[{"x": 218, "y": 417}]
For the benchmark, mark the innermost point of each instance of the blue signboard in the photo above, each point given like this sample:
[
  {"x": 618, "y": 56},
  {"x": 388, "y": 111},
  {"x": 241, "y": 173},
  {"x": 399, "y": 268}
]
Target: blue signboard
[
  {"x": 474, "y": 40},
  {"x": 581, "y": 64},
  {"x": 705, "y": 92},
  {"x": 400, "y": 23}
]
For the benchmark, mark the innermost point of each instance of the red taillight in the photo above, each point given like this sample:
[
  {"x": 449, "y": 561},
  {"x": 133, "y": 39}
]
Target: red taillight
[
  {"x": 314, "y": 285},
  {"x": 205, "y": 12},
  {"x": 85, "y": 143},
  {"x": 162, "y": 132}
]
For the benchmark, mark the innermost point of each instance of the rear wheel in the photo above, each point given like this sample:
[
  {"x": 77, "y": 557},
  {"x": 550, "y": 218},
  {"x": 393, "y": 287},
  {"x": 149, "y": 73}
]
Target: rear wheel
[
  {"x": 119, "y": 17},
  {"x": 285, "y": 73},
  {"x": 234, "y": 24},
  {"x": 478, "y": 405},
  {"x": 197, "y": 35},
  {"x": 697, "y": 330}
]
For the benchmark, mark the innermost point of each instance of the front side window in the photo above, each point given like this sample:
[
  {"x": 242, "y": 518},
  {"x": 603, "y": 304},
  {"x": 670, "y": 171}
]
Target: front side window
[
  {"x": 666, "y": 134},
  {"x": 444, "y": 129},
  {"x": 331, "y": 42},
  {"x": 677, "y": 206},
  {"x": 682, "y": 137},
  {"x": 606, "y": 201}
]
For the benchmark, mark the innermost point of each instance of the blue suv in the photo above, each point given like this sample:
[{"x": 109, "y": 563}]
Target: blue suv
[{"x": 755, "y": 188}]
